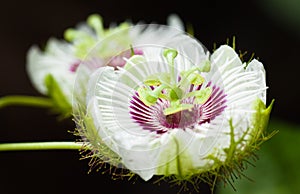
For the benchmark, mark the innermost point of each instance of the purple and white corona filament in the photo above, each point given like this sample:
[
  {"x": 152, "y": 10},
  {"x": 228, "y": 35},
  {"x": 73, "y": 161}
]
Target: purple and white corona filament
[
  {"x": 163, "y": 114},
  {"x": 153, "y": 118}
]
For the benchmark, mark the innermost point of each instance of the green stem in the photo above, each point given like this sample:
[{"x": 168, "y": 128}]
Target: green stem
[
  {"x": 34, "y": 101},
  {"x": 40, "y": 146}
]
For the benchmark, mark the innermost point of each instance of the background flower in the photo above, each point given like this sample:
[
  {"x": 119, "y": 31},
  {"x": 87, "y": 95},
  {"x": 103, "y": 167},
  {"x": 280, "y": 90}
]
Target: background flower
[{"x": 53, "y": 70}]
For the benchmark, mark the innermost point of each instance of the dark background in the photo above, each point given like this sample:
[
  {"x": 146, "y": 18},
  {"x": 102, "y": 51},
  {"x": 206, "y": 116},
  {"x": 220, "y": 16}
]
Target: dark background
[{"x": 269, "y": 30}]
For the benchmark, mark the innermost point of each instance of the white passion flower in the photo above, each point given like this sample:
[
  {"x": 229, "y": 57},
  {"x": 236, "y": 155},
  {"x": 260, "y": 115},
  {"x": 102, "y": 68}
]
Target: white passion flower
[
  {"x": 163, "y": 114},
  {"x": 53, "y": 70}
]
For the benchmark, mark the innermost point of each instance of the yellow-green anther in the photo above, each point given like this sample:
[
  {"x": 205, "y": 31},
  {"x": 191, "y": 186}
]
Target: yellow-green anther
[
  {"x": 157, "y": 91},
  {"x": 146, "y": 97},
  {"x": 163, "y": 96},
  {"x": 152, "y": 82},
  {"x": 164, "y": 78},
  {"x": 177, "y": 107},
  {"x": 191, "y": 77},
  {"x": 95, "y": 21},
  {"x": 157, "y": 79},
  {"x": 201, "y": 96},
  {"x": 196, "y": 79}
]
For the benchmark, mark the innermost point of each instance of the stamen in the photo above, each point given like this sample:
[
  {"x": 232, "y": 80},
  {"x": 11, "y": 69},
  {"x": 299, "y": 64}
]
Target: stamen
[
  {"x": 164, "y": 114},
  {"x": 166, "y": 87},
  {"x": 170, "y": 56}
]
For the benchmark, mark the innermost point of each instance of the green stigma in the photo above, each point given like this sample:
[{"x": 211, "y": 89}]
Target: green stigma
[
  {"x": 166, "y": 87},
  {"x": 170, "y": 55},
  {"x": 96, "y": 22}
]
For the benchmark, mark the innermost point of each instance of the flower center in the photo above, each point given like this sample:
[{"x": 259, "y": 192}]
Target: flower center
[
  {"x": 175, "y": 100},
  {"x": 181, "y": 119},
  {"x": 153, "y": 118}
]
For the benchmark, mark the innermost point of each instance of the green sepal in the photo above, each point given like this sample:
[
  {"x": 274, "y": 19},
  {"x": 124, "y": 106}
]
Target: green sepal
[
  {"x": 260, "y": 121},
  {"x": 95, "y": 149},
  {"x": 61, "y": 104},
  {"x": 261, "y": 116}
]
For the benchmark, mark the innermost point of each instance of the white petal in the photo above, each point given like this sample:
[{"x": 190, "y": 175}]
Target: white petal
[
  {"x": 242, "y": 87},
  {"x": 56, "y": 60},
  {"x": 110, "y": 110},
  {"x": 165, "y": 36},
  {"x": 258, "y": 68},
  {"x": 174, "y": 21}
]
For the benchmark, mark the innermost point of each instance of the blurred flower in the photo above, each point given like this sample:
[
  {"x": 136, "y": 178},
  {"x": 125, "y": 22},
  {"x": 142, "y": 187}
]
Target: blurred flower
[
  {"x": 53, "y": 70},
  {"x": 163, "y": 114}
]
